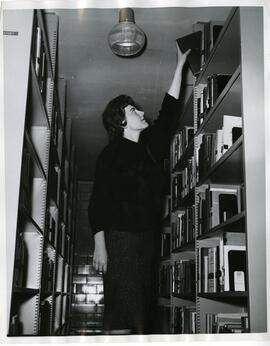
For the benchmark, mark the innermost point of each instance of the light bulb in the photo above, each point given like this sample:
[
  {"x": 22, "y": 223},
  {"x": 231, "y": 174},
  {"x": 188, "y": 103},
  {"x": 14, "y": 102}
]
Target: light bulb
[{"x": 126, "y": 38}]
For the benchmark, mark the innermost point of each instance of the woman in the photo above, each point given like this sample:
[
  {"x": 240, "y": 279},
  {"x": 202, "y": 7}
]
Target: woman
[{"x": 126, "y": 204}]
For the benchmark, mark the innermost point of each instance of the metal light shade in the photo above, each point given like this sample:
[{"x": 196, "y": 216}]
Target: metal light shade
[{"x": 126, "y": 38}]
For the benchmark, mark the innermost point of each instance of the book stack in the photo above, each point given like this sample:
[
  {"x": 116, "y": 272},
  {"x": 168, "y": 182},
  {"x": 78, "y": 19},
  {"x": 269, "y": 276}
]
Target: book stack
[
  {"x": 183, "y": 277},
  {"x": 183, "y": 183},
  {"x": 20, "y": 266},
  {"x": 209, "y": 94},
  {"x": 189, "y": 177},
  {"x": 184, "y": 319},
  {"x": 165, "y": 244},
  {"x": 222, "y": 267},
  {"x": 47, "y": 273},
  {"x": 217, "y": 204},
  {"x": 40, "y": 59},
  {"x": 181, "y": 142},
  {"x": 26, "y": 181},
  {"x": 214, "y": 145},
  {"x": 183, "y": 229},
  {"x": 164, "y": 280},
  {"x": 227, "y": 323}
]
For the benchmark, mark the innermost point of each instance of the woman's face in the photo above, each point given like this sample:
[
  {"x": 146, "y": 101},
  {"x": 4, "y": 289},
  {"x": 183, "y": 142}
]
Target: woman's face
[{"x": 135, "y": 118}]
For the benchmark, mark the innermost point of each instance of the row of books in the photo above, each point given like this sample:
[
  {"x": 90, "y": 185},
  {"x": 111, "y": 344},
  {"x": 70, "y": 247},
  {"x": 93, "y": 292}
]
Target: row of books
[
  {"x": 214, "y": 145},
  {"x": 165, "y": 244},
  {"x": 21, "y": 262},
  {"x": 47, "y": 273},
  {"x": 209, "y": 95},
  {"x": 217, "y": 204},
  {"x": 45, "y": 317},
  {"x": 184, "y": 319},
  {"x": 222, "y": 264},
  {"x": 40, "y": 59},
  {"x": 183, "y": 228},
  {"x": 183, "y": 183},
  {"x": 180, "y": 143},
  {"x": 164, "y": 280},
  {"x": 227, "y": 323},
  {"x": 183, "y": 277}
]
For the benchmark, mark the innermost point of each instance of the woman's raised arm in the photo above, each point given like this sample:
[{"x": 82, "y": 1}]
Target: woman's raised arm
[{"x": 174, "y": 89}]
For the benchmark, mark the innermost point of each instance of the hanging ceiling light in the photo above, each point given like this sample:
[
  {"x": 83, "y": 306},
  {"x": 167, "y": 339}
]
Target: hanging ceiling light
[{"x": 126, "y": 38}]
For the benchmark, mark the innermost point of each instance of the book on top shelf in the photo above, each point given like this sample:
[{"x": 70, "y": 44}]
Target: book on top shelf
[
  {"x": 210, "y": 32},
  {"x": 193, "y": 42}
]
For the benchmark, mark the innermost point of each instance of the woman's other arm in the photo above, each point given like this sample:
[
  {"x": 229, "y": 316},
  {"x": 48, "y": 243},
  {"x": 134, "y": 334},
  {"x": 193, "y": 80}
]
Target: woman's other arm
[{"x": 97, "y": 211}]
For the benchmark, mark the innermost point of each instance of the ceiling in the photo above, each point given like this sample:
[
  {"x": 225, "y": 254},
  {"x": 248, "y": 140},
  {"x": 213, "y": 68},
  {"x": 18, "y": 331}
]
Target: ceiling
[{"x": 95, "y": 75}]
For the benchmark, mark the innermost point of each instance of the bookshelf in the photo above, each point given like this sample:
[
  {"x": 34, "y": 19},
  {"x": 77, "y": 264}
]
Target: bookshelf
[
  {"x": 223, "y": 290},
  {"x": 41, "y": 190}
]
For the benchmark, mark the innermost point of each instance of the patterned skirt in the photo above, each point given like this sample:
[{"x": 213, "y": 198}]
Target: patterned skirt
[{"x": 130, "y": 286}]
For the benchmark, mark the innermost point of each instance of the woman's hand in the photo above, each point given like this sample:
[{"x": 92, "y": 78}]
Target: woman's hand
[
  {"x": 181, "y": 57},
  {"x": 100, "y": 258}
]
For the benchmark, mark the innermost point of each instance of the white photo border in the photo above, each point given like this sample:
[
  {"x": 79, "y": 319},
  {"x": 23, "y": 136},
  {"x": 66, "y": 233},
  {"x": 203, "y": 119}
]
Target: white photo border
[{"x": 199, "y": 339}]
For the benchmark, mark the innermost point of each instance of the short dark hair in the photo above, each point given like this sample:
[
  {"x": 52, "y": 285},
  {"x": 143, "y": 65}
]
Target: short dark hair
[{"x": 114, "y": 115}]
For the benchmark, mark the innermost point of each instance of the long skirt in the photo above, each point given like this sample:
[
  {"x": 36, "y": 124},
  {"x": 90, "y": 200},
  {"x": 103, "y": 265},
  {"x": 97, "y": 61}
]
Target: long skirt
[{"x": 129, "y": 285}]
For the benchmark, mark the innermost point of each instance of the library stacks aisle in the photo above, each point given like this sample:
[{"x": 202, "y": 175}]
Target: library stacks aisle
[{"x": 212, "y": 258}]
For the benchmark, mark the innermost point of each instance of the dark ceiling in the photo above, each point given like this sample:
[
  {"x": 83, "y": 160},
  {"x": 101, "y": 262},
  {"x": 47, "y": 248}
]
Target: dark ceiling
[{"x": 95, "y": 75}]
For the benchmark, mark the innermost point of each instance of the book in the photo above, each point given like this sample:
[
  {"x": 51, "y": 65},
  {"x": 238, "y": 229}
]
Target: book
[
  {"x": 212, "y": 269},
  {"x": 193, "y": 42},
  {"x": 232, "y": 130},
  {"x": 234, "y": 261}
]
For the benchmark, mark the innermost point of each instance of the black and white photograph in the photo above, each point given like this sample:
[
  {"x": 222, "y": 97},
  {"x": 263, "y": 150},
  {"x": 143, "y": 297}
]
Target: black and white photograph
[{"x": 136, "y": 171}]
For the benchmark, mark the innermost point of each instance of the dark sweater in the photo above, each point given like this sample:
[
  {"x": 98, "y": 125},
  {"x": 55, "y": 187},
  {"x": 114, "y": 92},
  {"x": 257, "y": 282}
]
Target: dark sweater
[{"x": 129, "y": 181}]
